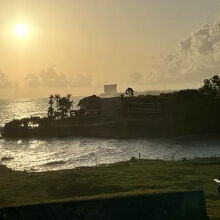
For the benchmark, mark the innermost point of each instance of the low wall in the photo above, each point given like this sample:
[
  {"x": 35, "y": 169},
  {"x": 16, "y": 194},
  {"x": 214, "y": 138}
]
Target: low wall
[{"x": 180, "y": 205}]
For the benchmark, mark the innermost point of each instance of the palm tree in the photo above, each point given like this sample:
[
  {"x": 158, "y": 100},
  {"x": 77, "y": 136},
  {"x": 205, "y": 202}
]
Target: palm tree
[
  {"x": 50, "y": 109},
  {"x": 70, "y": 103},
  {"x": 62, "y": 109},
  {"x": 65, "y": 104},
  {"x": 57, "y": 98}
]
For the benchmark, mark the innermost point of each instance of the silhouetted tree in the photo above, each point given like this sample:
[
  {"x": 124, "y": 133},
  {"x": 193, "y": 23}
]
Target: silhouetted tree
[
  {"x": 211, "y": 86},
  {"x": 216, "y": 82},
  {"x": 57, "y": 98},
  {"x": 63, "y": 106},
  {"x": 63, "y": 109},
  {"x": 51, "y": 109},
  {"x": 130, "y": 92}
]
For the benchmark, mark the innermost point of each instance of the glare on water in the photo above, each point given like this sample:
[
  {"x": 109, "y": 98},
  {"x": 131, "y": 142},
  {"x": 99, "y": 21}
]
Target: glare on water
[{"x": 66, "y": 153}]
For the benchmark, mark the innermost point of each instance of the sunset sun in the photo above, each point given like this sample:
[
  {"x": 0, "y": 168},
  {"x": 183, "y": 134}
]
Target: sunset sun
[{"x": 21, "y": 30}]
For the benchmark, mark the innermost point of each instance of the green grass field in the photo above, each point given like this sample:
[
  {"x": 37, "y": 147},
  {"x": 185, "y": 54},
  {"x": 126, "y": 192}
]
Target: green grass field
[{"x": 132, "y": 177}]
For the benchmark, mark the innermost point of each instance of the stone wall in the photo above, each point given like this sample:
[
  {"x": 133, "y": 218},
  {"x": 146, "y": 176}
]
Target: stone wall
[{"x": 180, "y": 205}]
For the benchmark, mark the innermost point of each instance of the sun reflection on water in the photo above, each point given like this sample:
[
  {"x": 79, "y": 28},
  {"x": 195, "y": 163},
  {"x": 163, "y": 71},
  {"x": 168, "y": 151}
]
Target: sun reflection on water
[
  {"x": 54, "y": 154},
  {"x": 21, "y": 108},
  {"x": 67, "y": 153}
]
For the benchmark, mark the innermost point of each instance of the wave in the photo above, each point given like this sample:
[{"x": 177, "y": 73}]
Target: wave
[{"x": 56, "y": 162}]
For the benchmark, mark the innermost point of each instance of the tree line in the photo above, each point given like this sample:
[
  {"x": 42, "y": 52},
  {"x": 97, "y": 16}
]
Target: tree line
[
  {"x": 211, "y": 86},
  {"x": 60, "y": 107}
]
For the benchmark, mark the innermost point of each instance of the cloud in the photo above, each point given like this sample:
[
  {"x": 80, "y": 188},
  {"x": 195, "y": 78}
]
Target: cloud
[
  {"x": 51, "y": 78},
  {"x": 5, "y": 83},
  {"x": 136, "y": 78},
  {"x": 197, "y": 57},
  {"x": 152, "y": 77}
]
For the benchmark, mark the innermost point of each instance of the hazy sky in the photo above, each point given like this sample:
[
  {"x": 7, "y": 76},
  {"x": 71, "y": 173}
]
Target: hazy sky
[{"x": 77, "y": 46}]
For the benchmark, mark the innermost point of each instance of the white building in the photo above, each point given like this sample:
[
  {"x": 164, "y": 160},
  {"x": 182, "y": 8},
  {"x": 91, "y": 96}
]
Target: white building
[{"x": 110, "y": 90}]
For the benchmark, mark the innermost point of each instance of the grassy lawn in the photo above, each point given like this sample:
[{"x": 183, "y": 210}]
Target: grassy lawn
[{"x": 132, "y": 177}]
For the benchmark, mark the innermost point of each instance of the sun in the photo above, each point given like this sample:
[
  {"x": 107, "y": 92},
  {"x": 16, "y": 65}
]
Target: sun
[{"x": 21, "y": 30}]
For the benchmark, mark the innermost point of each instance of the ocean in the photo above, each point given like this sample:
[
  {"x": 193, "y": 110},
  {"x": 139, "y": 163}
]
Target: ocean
[{"x": 39, "y": 155}]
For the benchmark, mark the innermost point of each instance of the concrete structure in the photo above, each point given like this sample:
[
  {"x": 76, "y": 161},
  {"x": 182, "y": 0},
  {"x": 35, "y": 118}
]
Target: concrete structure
[
  {"x": 140, "y": 106},
  {"x": 110, "y": 106},
  {"x": 90, "y": 105},
  {"x": 110, "y": 90},
  {"x": 179, "y": 205}
]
